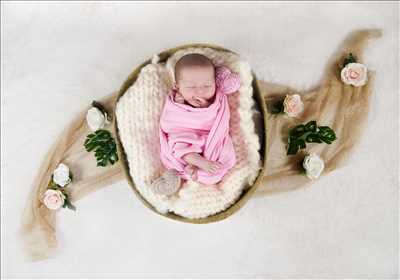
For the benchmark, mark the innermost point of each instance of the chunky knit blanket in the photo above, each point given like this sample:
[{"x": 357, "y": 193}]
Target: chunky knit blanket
[{"x": 138, "y": 113}]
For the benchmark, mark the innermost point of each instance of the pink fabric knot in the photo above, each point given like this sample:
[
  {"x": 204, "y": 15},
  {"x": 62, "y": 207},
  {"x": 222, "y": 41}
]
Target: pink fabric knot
[{"x": 226, "y": 81}]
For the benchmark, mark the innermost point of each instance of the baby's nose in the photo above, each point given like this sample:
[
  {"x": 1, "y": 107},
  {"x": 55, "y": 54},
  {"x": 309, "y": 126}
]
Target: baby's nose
[{"x": 198, "y": 92}]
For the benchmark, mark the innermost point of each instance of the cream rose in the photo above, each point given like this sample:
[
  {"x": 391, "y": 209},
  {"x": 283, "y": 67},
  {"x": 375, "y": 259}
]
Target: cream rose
[
  {"x": 354, "y": 74},
  {"x": 53, "y": 199},
  {"x": 313, "y": 165},
  {"x": 96, "y": 119},
  {"x": 61, "y": 175},
  {"x": 292, "y": 105}
]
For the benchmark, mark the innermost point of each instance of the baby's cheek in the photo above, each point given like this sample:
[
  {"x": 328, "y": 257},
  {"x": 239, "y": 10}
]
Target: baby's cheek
[
  {"x": 211, "y": 94},
  {"x": 187, "y": 94}
]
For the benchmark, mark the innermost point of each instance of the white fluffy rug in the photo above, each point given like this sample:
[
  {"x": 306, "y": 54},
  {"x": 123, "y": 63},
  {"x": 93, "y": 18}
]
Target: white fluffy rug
[
  {"x": 57, "y": 57},
  {"x": 138, "y": 112}
]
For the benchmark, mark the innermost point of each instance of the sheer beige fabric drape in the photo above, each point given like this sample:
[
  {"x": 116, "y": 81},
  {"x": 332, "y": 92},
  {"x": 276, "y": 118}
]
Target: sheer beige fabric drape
[{"x": 344, "y": 108}]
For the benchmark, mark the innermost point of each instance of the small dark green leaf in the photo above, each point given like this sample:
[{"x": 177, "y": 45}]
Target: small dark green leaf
[
  {"x": 302, "y": 169},
  {"x": 277, "y": 107},
  {"x": 292, "y": 149},
  {"x": 297, "y": 131},
  {"x": 327, "y": 134},
  {"x": 313, "y": 138},
  {"x": 311, "y": 126},
  {"x": 295, "y": 145},
  {"x": 349, "y": 59},
  {"x": 68, "y": 204},
  {"x": 301, "y": 143}
]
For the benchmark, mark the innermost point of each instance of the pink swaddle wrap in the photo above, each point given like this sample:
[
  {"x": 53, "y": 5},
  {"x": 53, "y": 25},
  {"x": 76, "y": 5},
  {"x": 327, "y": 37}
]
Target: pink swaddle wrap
[{"x": 185, "y": 129}]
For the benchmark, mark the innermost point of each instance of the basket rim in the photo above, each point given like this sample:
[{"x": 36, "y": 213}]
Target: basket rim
[{"x": 247, "y": 191}]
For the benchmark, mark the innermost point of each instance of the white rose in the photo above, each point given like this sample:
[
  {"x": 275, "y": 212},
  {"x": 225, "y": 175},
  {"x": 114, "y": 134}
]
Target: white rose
[
  {"x": 53, "y": 199},
  {"x": 313, "y": 165},
  {"x": 292, "y": 105},
  {"x": 354, "y": 74},
  {"x": 61, "y": 175},
  {"x": 96, "y": 119}
]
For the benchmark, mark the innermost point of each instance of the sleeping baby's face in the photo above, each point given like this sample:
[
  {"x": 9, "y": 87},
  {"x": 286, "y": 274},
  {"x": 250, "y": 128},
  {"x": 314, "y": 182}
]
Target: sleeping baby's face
[{"x": 197, "y": 85}]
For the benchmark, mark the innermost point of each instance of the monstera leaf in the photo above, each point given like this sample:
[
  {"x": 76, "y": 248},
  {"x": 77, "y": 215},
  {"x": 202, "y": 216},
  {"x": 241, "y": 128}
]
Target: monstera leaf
[
  {"x": 300, "y": 134},
  {"x": 103, "y": 144}
]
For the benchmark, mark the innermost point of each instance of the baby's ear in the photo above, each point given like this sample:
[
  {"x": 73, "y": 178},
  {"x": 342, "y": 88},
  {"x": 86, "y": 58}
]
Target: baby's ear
[{"x": 175, "y": 86}]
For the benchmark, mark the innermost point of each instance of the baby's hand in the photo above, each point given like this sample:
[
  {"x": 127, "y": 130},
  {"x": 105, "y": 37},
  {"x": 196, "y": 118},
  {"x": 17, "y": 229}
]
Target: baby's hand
[
  {"x": 179, "y": 98},
  {"x": 210, "y": 166},
  {"x": 191, "y": 170}
]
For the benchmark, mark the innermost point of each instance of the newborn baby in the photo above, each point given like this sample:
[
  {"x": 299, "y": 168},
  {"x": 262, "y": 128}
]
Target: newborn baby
[{"x": 194, "y": 125}]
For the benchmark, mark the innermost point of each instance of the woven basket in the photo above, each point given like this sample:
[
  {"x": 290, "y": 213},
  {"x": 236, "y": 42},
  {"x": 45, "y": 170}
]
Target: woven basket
[{"x": 248, "y": 191}]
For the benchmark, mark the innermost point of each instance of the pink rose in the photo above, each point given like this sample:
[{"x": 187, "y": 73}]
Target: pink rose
[
  {"x": 292, "y": 105},
  {"x": 53, "y": 199},
  {"x": 354, "y": 74}
]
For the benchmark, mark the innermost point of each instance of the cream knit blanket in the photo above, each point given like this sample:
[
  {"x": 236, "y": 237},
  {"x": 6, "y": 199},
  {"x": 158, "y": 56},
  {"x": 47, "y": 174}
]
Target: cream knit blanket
[{"x": 138, "y": 113}]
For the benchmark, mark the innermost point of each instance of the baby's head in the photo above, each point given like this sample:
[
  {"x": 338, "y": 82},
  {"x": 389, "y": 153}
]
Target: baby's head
[{"x": 195, "y": 79}]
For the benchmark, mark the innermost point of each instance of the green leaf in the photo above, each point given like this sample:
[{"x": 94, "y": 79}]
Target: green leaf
[
  {"x": 297, "y": 131},
  {"x": 349, "y": 59},
  {"x": 51, "y": 183},
  {"x": 295, "y": 145},
  {"x": 327, "y": 134},
  {"x": 292, "y": 148},
  {"x": 68, "y": 204},
  {"x": 103, "y": 145},
  {"x": 300, "y": 134},
  {"x": 277, "y": 107},
  {"x": 302, "y": 169},
  {"x": 311, "y": 126},
  {"x": 301, "y": 143},
  {"x": 313, "y": 138}
]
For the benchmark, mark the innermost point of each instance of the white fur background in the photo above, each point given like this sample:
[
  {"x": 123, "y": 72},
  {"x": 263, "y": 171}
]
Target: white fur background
[{"x": 58, "y": 57}]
